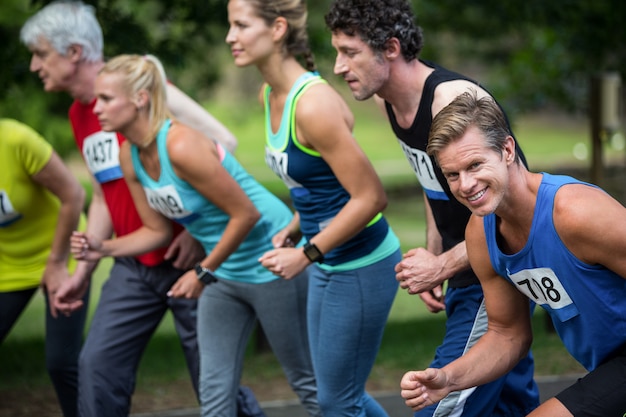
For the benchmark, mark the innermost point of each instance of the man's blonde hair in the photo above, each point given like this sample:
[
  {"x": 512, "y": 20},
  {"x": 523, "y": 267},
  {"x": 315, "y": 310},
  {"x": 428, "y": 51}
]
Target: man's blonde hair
[{"x": 464, "y": 111}]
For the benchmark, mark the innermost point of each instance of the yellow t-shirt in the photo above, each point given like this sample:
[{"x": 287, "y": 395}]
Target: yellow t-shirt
[{"x": 28, "y": 211}]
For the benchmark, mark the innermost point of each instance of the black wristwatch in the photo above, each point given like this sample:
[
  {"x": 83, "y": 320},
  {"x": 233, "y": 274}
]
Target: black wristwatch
[
  {"x": 205, "y": 275},
  {"x": 312, "y": 252}
]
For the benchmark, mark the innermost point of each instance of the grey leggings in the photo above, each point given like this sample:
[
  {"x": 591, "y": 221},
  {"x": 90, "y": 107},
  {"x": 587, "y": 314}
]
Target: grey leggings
[{"x": 227, "y": 312}]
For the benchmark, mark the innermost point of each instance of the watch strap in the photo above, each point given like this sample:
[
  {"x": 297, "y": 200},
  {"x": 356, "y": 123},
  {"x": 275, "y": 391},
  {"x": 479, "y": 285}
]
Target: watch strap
[
  {"x": 205, "y": 275},
  {"x": 312, "y": 252}
]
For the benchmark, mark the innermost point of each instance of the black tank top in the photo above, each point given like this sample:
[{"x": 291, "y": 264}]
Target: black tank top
[{"x": 450, "y": 216}]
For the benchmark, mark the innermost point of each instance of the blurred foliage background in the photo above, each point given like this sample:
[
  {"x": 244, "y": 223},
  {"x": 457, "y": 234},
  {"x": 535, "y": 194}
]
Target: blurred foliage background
[{"x": 531, "y": 54}]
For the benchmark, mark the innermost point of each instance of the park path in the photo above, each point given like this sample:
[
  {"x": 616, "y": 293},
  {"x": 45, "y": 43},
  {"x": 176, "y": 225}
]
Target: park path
[{"x": 391, "y": 401}]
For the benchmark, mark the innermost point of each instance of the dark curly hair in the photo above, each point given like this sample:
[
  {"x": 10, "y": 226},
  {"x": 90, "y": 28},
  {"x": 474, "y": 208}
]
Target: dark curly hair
[{"x": 377, "y": 21}]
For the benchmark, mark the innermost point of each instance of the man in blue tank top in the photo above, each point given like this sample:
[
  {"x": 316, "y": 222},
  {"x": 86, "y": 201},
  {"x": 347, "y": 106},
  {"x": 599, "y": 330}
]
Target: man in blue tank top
[
  {"x": 533, "y": 237},
  {"x": 377, "y": 54}
]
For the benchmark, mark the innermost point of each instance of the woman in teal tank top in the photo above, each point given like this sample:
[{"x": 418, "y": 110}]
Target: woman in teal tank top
[
  {"x": 175, "y": 172},
  {"x": 351, "y": 251}
]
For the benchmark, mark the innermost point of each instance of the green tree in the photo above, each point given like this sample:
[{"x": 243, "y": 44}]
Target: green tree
[
  {"x": 537, "y": 51},
  {"x": 183, "y": 34}
]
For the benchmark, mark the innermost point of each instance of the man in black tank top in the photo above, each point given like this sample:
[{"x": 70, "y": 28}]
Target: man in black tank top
[{"x": 378, "y": 55}]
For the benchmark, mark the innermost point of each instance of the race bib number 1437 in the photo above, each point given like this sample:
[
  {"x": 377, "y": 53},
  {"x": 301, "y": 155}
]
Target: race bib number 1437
[{"x": 101, "y": 151}]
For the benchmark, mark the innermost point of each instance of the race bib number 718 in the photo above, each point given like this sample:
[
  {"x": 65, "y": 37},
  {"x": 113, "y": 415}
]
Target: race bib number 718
[{"x": 543, "y": 287}]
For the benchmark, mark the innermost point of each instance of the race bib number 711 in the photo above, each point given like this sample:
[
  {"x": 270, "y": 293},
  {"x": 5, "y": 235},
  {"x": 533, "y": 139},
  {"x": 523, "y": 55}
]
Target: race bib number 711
[{"x": 423, "y": 167}]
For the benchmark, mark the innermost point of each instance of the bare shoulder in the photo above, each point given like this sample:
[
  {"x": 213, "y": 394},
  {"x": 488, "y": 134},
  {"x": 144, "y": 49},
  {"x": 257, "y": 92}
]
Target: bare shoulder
[
  {"x": 322, "y": 114},
  {"x": 183, "y": 142},
  {"x": 579, "y": 205},
  {"x": 592, "y": 225},
  {"x": 449, "y": 90},
  {"x": 322, "y": 100},
  {"x": 574, "y": 202}
]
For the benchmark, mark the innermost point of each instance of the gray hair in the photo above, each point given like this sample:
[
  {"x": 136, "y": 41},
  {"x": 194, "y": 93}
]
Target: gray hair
[{"x": 63, "y": 24}]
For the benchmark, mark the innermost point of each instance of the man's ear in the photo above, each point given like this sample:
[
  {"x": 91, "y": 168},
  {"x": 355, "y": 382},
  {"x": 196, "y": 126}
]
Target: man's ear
[
  {"x": 392, "y": 49},
  {"x": 75, "y": 52},
  {"x": 509, "y": 150}
]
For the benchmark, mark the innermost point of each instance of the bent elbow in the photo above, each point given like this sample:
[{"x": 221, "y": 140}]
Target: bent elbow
[
  {"x": 75, "y": 198},
  {"x": 378, "y": 202},
  {"x": 80, "y": 196},
  {"x": 383, "y": 202},
  {"x": 252, "y": 218},
  {"x": 255, "y": 216},
  {"x": 527, "y": 344}
]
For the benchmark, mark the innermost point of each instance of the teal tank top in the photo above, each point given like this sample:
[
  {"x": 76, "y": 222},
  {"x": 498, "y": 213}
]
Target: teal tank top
[{"x": 179, "y": 201}]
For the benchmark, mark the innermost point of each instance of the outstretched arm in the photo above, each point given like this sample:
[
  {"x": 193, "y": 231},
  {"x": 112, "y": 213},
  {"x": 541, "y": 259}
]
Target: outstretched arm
[
  {"x": 189, "y": 112},
  {"x": 506, "y": 341}
]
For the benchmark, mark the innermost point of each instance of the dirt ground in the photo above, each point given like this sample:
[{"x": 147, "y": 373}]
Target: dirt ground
[
  {"x": 176, "y": 395},
  {"x": 41, "y": 402}
]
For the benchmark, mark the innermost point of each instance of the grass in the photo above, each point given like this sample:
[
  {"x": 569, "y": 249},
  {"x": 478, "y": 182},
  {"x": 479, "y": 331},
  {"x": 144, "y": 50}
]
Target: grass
[{"x": 412, "y": 334}]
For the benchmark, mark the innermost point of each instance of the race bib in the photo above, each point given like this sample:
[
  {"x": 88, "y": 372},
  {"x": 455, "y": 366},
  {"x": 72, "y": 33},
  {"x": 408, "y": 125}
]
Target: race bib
[
  {"x": 8, "y": 215},
  {"x": 167, "y": 201},
  {"x": 543, "y": 287},
  {"x": 278, "y": 162},
  {"x": 423, "y": 167},
  {"x": 101, "y": 151}
]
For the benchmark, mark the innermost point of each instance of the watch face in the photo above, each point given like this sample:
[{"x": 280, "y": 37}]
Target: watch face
[{"x": 312, "y": 252}]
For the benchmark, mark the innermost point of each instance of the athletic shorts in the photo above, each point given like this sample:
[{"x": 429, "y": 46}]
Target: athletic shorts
[{"x": 601, "y": 393}]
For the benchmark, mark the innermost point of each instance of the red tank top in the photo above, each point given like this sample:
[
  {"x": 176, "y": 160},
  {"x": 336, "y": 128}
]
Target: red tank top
[{"x": 100, "y": 151}]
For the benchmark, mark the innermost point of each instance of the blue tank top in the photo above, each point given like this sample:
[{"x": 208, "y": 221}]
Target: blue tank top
[
  {"x": 316, "y": 192},
  {"x": 179, "y": 201},
  {"x": 585, "y": 302}
]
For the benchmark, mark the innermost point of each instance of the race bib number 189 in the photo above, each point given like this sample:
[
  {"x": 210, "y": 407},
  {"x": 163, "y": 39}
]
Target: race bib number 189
[{"x": 167, "y": 201}]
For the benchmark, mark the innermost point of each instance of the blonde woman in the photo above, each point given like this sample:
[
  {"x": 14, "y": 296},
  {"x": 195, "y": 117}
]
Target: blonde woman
[{"x": 174, "y": 173}]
